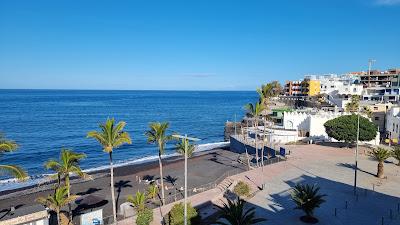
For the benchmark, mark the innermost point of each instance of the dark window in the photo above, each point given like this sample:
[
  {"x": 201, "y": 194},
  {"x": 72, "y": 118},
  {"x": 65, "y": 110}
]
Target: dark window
[{"x": 376, "y": 118}]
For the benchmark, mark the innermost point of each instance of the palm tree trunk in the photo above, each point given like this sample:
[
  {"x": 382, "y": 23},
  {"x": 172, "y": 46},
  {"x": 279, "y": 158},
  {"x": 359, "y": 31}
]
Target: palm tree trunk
[
  {"x": 161, "y": 179},
  {"x": 58, "y": 217},
  {"x": 68, "y": 185},
  {"x": 380, "y": 173},
  {"x": 262, "y": 154},
  {"x": 255, "y": 138},
  {"x": 112, "y": 190}
]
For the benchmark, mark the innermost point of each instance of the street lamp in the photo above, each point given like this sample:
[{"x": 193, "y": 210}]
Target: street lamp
[
  {"x": 356, "y": 156},
  {"x": 185, "y": 139}
]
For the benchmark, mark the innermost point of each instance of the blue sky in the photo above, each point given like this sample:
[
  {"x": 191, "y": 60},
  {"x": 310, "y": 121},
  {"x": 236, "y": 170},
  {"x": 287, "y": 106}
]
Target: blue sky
[{"x": 186, "y": 45}]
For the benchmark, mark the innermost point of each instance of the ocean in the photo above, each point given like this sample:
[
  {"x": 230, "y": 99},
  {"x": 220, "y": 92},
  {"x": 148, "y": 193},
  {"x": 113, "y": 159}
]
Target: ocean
[{"x": 43, "y": 122}]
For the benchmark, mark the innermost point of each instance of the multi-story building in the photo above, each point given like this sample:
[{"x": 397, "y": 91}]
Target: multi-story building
[
  {"x": 310, "y": 87},
  {"x": 379, "y": 112},
  {"x": 306, "y": 87},
  {"x": 393, "y": 123},
  {"x": 293, "y": 88},
  {"x": 381, "y": 86},
  {"x": 344, "y": 85}
]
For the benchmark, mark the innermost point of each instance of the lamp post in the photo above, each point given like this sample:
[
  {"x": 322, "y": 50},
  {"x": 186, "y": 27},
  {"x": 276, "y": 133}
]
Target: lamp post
[
  {"x": 356, "y": 156},
  {"x": 185, "y": 139}
]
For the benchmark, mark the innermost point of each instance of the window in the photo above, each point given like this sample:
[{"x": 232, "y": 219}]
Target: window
[
  {"x": 375, "y": 108},
  {"x": 376, "y": 118},
  {"x": 354, "y": 89},
  {"x": 393, "y": 127}
]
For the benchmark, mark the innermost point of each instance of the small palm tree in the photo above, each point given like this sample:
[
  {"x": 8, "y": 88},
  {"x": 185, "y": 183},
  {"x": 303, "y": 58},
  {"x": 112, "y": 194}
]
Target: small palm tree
[
  {"x": 13, "y": 170},
  {"x": 354, "y": 104},
  {"x": 152, "y": 192},
  {"x": 235, "y": 214},
  {"x": 269, "y": 90},
  {"x": 380, "y": 155},
  {"x": 57, "y": 201},
  {"x": 138, "y": 200},
  {"x": 66, "y": 165},
  {"x": 180, "y": 148},
  {"x": 396, "y": 154},
  {"x": 111, "y": 136},
  {"x": 255, "y": 112},
  {"x": 157, "y": 134},
  {"x": 306, "y": 198}
]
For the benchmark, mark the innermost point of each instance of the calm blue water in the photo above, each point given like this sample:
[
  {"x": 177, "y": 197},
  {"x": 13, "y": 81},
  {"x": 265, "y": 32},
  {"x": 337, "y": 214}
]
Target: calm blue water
[{"x": 44, "y": 121}]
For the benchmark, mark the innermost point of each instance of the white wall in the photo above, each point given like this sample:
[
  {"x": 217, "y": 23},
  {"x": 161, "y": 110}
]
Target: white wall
[
  {"x": 314, "y": 123},
  {"x": 393, "y": 123}
]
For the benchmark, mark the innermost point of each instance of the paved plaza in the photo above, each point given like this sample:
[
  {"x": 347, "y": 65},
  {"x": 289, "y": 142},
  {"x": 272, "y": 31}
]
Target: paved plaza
[{"x": 332, "y": 170}]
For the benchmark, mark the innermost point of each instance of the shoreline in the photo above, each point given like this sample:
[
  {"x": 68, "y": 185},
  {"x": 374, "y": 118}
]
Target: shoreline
[
  {"x": 123, "y": 169},
  {"x": 204, "y": 168}
]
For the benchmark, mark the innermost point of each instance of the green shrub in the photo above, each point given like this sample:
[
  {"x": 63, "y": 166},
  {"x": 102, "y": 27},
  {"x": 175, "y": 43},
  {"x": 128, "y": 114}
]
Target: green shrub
[
  {"x": 176, "y": 215},
  {"x": 242, "y": 189},
  {"x": 144, "y": 217}
]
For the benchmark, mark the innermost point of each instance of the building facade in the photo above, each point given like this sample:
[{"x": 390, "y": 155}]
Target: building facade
[
  {"x": 302, "y": 88},
  {"x": 381, "y": 86},
  {"x": 393, "y": 123}
]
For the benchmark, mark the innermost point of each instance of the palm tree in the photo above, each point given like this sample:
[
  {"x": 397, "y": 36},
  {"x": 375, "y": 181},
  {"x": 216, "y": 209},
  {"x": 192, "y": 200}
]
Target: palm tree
[
  {"x": 138, "y": 201},
  {"x": 180, "y": 148},
  {"x": 235, "y": 214},
  {"x": 67, "y": 164},
  {"x": 306, "y": 198},
  {"x": 13, "y": 170},
  {"x": 367, "y": 111},
  {"x": 152, "y": 191},
  {"x": 57, "y": 201},
  {"x": 354, "y": 104},
  {"x": 158, "y": 135},
  {"x": 269, "y": 90},
  {"x": 396, "y": 154},
  {"x": 380, "y": 155},
  {"x": 255, "y": 111},
  {"x": 111, "y": 136}
]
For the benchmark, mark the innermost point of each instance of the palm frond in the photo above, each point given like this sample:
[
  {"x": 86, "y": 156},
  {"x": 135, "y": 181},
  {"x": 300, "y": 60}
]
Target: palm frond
[
  {"x": 7, "y": 145},
  {"x": 14, "y": 171},
  {"x": 380, "y": 154}
]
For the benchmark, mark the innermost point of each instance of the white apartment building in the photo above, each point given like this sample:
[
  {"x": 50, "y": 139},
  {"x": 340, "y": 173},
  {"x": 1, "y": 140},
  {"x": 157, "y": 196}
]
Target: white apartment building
[{"x": 393, "y": 123}]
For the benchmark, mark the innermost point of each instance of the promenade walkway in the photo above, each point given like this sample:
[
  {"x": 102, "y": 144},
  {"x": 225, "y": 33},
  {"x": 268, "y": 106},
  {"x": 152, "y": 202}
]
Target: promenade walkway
[{"x": 331, "y": 169}]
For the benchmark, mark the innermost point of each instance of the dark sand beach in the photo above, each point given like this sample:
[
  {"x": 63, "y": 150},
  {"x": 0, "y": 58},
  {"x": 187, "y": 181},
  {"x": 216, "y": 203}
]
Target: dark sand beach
[{"x": 203, "y": 168}]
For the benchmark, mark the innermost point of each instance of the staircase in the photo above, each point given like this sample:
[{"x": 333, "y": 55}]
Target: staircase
[{"x": 225, "y": 184}]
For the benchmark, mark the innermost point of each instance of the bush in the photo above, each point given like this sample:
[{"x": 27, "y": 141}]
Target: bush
[
  {"x": 144, "y": 217},
  {"x": 176, "y": 215},
  {"x": 242, "y": 189},
  {"x": 344, "y": 128}
]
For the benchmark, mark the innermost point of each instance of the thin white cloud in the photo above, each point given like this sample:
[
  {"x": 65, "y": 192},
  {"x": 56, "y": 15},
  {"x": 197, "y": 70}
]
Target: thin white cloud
[
  {"x": 200, "y": 75},
  {"x": 388, "y": 2}
]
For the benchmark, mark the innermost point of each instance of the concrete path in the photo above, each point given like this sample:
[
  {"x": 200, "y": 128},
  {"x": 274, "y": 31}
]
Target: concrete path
[{"x": 332, "y": 170}]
